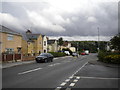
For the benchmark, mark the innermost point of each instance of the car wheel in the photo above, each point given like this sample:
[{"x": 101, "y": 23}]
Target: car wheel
[
  {"x": 46, "y": 61},
  {"x": 51, "y": 60},
  {"x": 37, "y": 61}
]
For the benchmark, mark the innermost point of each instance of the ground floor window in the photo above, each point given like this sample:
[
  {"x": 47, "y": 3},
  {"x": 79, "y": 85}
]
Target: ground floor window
[{"x": 9, "y": 50}]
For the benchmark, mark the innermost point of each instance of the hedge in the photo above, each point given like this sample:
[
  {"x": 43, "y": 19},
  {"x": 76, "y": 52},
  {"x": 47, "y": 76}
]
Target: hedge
[
  {"x": 58, "y": 54},
  {"x": 109, "y": 57}
]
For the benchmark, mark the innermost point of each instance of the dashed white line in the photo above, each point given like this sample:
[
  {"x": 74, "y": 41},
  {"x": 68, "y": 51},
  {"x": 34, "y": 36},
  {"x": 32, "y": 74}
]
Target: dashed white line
[
  {"x": 67, "y": 80},
  {"x": 63, "y": 84},
  {"x": 75, "y": 80},
  {"x": 77, "y": 77},
  {"x": 72, "y": 84},
  {"x": 54, "y": 64},
  {"x": 71, "y": 77},
  {"x": 79, "y": 69},
  {"x": 29, "y": 71}
]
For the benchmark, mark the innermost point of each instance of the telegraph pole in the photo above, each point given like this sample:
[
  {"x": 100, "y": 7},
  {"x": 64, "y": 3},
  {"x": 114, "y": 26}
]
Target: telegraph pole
[{"x": 98, "y": 39}]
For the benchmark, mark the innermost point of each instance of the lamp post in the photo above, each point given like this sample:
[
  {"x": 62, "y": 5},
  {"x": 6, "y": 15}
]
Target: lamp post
[{"x": 98, "y": 39}]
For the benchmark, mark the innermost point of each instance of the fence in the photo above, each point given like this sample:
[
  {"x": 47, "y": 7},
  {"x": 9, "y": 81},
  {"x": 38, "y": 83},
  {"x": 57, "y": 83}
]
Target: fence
[
  {"x": 15, "y": 57},
  {"x": 11, "y": 57}
]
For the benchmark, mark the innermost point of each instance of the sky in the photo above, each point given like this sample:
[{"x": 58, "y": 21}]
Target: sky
[{"x": 71, "y": 19}]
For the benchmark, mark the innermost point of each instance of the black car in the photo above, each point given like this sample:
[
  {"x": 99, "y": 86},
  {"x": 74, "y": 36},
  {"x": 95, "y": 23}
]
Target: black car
[{"x": 44, "y": 57}]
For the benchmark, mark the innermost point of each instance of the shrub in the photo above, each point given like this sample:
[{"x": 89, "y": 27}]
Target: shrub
[
  {"x": 109, "y": 57},
  {"x": 112, "y": 59},
  {"x": 58, "y": 54}
]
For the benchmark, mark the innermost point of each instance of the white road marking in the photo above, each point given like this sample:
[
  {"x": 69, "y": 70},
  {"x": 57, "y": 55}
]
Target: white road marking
[
  {"x": 77, "y": 77},
  {"x": 29, "y": 71},
  {"x": 58, "y": 88},
  {"x": 63, "y": 84},
  {"x": 80, "y": 68},
  {"x": 54, "y": 64},
  {"x": 71, "y": 77},
  {"x": 98, "y": 78},
  {"x": 72, "y": 84},
  {"x": 75, "y": 80},
  {"x": 67, "y": 80}
]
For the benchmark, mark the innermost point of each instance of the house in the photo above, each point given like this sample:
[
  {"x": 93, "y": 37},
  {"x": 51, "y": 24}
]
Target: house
[
  {"x": 35, "y": 43},
  {"x": 44, "y": 41},
  {"x": 11, "y": 41},
  {"x": 52, "y": 45},
  {"x": 67, "y": 44}
]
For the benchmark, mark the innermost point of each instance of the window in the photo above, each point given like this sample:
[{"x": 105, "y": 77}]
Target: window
[
  {"x": 44, "y": 43},
  {"x": 40, "y": 42},
  {"x": 10, "y": 37},
  {"x": 9, "y": 50}
]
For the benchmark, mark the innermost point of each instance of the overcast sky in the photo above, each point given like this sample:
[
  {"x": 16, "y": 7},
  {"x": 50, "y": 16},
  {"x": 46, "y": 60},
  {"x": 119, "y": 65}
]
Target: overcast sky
[{"x": 71, "y": 19}]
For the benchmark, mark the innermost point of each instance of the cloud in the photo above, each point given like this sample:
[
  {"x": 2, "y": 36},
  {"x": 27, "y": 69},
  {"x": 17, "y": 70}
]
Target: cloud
[
  {"x": 82, "y": 38},
  {"x": 63, "y": 17},
  {"x": 92, "y": 19},
  {"x": 10, "y": 21}
]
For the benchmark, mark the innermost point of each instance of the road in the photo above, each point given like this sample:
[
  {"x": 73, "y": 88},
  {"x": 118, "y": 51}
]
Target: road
[{"x": 66, "y": 72}]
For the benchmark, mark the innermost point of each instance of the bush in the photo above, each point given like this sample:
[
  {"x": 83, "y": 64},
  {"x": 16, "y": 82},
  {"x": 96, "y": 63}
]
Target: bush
[
  {"x": 58, "y": 54},
  {"x": 112, "y": 59},
  {"x": 109, "y": 57}
]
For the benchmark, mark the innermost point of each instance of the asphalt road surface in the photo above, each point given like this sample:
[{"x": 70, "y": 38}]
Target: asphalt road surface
[{"x": 66, "y": 72}]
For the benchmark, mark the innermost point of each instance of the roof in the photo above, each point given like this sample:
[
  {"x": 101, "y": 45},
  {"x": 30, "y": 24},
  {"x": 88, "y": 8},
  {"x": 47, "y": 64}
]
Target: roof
[
  {"x": 7, "y": 30},
  {"x": 51, "y": 41}
]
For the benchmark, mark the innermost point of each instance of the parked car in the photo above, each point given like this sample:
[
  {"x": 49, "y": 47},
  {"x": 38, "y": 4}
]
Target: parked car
[
  {"x": 67, "y": 52},
  {"x": 83, "y": 53},
  {"x": 44, "y": 57},
  {"x": 86, "y": 52},
  {"x": 75, "y": 54}
]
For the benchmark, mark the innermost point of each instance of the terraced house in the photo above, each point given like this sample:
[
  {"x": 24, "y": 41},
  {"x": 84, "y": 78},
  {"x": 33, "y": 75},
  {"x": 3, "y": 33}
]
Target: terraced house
[
  {"x": 34, "y": 44},
  {"x": 10, "y": 41}
]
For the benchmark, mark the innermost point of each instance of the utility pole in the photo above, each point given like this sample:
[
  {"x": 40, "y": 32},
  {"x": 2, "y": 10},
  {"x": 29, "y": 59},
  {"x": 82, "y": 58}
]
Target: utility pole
[{"x": 98, "y": 39}]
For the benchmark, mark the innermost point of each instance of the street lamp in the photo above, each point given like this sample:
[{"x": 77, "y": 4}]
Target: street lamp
[{"x": 98, "y": 39}]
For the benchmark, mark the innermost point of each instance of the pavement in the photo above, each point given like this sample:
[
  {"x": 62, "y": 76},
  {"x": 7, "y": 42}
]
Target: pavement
[
  {"x": 65, "y": 73},
  {"x": 19, "y": 62}
]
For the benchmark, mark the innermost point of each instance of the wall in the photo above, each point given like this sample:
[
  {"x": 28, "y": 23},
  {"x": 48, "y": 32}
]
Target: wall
[{"x": 16, "y": 42}]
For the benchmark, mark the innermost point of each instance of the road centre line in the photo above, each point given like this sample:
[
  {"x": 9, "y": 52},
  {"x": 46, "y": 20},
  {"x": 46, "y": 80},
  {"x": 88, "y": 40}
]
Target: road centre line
[
  {"x": 29, "y": 71},
  {"x": 79, "y": 69},
  {"x": 54, "y": 64},
  {"x": 98, "y": 78}
]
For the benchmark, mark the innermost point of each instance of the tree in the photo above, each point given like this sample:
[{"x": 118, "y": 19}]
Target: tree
[
  {"x": 115, "y": 41},
  {"x": 60, "y": 41}
]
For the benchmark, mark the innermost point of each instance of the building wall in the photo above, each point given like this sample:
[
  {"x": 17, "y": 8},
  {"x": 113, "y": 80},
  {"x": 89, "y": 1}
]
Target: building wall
[
  {"x": 24, "y": 47},
  {"x": 39, "y": 44},
  {"x": 73, "y": 49},
  {"x": 31, "y": 48},
  {"x": 45, "y": 46},
  {"x": 5, "y": 43}
]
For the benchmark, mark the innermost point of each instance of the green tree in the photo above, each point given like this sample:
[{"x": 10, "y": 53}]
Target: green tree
[
  {"x": 115, "y": 41},
  {"x": 60, "y": 41}
]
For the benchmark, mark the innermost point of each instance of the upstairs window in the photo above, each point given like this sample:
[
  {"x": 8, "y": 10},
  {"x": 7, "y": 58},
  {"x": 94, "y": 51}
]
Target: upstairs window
[
  {"x": 10, "y": 37},
  {"x": 44, "y": 43}
]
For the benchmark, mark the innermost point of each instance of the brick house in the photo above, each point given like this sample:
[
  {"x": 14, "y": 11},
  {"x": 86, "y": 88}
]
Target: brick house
[
  {"x": 34, "y": 43},
  {"x": 10, "y": 41}
]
